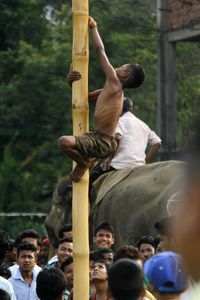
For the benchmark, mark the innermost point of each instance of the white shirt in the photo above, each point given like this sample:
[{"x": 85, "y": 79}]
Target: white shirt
[
  {"x": 6, "y": 286},
  {"x": 135, "y": 136},
  {"x": 52, "y": 260},
  {"x": 24, "y": 291},
  {"x": 13, "y": 269}
]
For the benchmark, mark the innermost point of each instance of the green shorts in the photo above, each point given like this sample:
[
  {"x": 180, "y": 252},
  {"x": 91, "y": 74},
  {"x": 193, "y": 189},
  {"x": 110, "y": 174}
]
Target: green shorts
[{"x": 95, "y": 145}]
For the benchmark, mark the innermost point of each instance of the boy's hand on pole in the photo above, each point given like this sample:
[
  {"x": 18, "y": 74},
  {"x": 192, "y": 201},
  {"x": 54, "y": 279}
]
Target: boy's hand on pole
[
  {"x": 73, "y": 76},
  {"x": 92, "y": 23}
]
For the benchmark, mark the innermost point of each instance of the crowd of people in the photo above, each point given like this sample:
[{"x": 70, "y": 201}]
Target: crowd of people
[{"x": 147, "y": 270}]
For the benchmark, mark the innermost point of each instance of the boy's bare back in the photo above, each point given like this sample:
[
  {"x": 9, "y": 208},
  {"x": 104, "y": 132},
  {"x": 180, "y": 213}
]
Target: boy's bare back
[{"x": 109, "y": 107}]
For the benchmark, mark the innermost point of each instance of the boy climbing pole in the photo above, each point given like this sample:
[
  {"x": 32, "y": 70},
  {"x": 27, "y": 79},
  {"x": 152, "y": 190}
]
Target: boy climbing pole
[{"x": 101, "y": 143}]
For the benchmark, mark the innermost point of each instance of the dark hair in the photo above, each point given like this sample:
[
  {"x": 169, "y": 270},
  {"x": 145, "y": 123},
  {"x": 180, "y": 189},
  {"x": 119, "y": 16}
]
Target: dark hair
[
  {"x": 25, "y": 246},
  {"x": 127, "y": 251},
  {"x": 136, "y": 76},
  {"x": 67, "y": 262},
  {"x": 3, "y": 243},
  {"x": 104, "y": 251},
  {"x": 64, "y": 228},
  {"x": 5, "y": 271},
  {"x": 64, "y": 240},
  {"x": 163, "y": 227},
  {"x": 50, "y": 283},
  {"x": 11, "y": 244},
  {"x": 104, "y": 225},
  {"x": 127, "y": 105},
  {"x": 4, "y": 295},
  {"x": 125, "y": 280},
  {"x": 95, "y": 256},
  {"x": 146, "y": 239},
  {"x": 102, "y": 261},
  {"x": 28, "y": 233}
]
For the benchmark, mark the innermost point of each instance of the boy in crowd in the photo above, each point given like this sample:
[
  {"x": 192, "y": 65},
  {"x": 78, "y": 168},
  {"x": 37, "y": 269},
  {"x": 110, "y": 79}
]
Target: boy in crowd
[
  {"x": 166, "y": 275},
  {"x": 103, "y": 236},
  {"x": 51, "y": 284},
  {"x": 24, "y": 279}
]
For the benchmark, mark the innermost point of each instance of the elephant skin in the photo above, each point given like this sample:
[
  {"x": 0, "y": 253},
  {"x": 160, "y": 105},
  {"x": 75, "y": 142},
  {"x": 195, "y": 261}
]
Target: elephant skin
[{"x": 132, "y": 206}]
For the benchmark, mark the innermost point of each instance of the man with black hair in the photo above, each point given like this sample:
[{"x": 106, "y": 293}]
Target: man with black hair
[
  {"x": 24, "y": 280},
  {"x": 125, "y": 280},
  {"x": 67, "y": 268},
  {"x": 132, "y": 136},
  {"x": 65, "y": 231},
  {"x": 10, "y": 255},
  {"x": 64, "y": 249},
  {"x": 99, "y": 278},
  {"x": 4, "y": 295},
  {"x": 107, "y": 254},
  {"x": 28, "y": 236},
  {"x": 3, "y": 244},
  {"x": 51, "y": 284},
  {"x": 103, "y": 236},
  {"x": 146, "y": 247}
]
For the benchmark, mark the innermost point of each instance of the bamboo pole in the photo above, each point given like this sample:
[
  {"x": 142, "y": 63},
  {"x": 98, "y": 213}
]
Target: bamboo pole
[{"x": 80, "y": 202}]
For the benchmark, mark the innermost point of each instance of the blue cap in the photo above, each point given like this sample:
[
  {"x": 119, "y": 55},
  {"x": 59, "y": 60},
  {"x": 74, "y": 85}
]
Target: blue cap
[{"x": 166, "y": 272}]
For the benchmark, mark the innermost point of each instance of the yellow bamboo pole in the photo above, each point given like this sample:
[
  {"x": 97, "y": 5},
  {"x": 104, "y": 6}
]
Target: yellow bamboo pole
[{"x": 80, "y": 202}]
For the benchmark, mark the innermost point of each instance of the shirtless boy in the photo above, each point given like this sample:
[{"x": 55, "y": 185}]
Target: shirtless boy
[{"x": 101, "y": 143}]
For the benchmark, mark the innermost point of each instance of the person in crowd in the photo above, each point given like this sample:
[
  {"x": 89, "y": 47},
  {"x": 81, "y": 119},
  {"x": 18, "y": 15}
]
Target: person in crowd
[
  {"x": 125, "y": 280},
  {"x": 4, "y": 295},
  {"x": 99, "y": 277},
  {"x": 146, "y": 247},
  {"x": 4, "y": 241},
  {"x": 101, "y": 143},
  {"x": 64, "y": 232},
  {"x": 164, "y": 229},
  {"x": 107, "y": 254},
  {"x": 51, "y": 284},
  {"x": 27, "y": 236},
  {"x": 11, "y": 253},
  {"x": 5, "y": 271},
  {"x": 187, "y": 221},
  {"x": 103, "y": 236},
  {"x": 167, "y": 275},
  {"x": 42, "y": 258},
  {"x": 130, "y": 252},
  {"x": 64, "y": 250},
  {"x": 132, "y": 136},
  {"x": 67, "y": 268},
  {"x": 6, "y": 286},
  {"x": 24, "y": 279}
]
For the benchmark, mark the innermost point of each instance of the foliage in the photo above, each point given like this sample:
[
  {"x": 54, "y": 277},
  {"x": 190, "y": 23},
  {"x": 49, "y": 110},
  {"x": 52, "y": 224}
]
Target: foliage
[{"x": 35, "y": 102}]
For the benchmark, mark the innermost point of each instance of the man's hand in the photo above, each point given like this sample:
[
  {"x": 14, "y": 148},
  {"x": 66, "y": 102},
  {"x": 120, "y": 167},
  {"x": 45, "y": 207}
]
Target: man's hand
[
  {"x": 73, "y": 76},
  {"x": 92, "y": 23},
  {"x": 106, "y": 164}
]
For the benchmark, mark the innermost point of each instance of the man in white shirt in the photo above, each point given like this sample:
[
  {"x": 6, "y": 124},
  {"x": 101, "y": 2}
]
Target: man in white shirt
[
  {"x": 27, "y": 236},
  {"x": 6, "y": 286},
  {"x": 24, "y": 280},
  {"x": 132, "y": 136}
]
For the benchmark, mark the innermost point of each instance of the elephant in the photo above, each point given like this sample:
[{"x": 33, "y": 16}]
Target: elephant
[{"x": 131, "y": 200}]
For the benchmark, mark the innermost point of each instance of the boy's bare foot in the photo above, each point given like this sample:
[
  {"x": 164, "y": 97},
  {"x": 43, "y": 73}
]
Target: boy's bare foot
[{"x": 79, "y": 171}]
